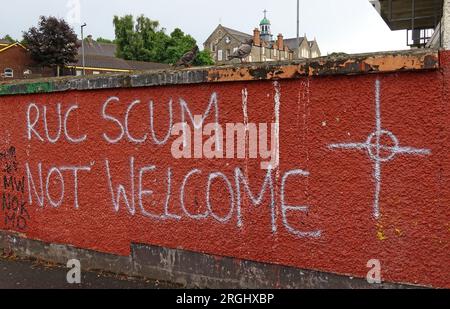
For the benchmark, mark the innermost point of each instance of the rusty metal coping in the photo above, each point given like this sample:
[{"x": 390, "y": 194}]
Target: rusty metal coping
[{"x": 341, "y": 64}]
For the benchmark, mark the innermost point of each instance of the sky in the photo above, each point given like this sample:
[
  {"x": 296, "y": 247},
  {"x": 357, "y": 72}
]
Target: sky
[{"x": 351, "y": 26}]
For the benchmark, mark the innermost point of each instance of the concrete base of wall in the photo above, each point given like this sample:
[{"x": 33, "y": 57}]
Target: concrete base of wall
[{"x": 190, "y": 269}]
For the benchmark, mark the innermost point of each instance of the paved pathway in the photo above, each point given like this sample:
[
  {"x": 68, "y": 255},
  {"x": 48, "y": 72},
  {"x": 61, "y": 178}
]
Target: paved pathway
[{"x": 25, "y": 274}]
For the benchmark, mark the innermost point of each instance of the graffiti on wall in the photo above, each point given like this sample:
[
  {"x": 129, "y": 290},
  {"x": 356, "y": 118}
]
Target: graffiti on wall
[
  {"x": 14, "y": 206},
  {"x": 382, "y": 146},
  {"x": 47, "y": 186},
  {"x": 286, "y": 173}
]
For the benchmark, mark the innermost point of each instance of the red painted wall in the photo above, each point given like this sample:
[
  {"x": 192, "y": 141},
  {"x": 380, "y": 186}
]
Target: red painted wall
[{"x": 324, "y": 126}]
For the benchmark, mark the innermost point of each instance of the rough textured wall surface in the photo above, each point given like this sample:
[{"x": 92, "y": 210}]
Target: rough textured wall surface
[{"x": 363, "y": 172}]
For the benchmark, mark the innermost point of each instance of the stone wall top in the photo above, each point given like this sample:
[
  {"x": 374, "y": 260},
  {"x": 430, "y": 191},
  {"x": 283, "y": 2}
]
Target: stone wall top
[{"x": 383, "y": 62}]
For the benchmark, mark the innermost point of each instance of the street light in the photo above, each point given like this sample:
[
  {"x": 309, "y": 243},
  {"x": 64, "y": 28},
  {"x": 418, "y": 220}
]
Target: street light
[
  {"x": 298, "y": 27},
  {"x": 82, "y": 48}
]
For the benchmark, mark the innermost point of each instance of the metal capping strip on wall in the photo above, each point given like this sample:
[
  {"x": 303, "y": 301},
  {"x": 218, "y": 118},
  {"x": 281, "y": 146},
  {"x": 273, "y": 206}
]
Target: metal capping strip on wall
[{"x": 384, "y": 62}]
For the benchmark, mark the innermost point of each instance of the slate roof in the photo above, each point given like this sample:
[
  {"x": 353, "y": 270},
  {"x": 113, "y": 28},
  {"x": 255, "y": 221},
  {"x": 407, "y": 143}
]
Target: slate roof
[
  {"x": 241, "y": 36},
  {"x": 143, "y": 65},
  {"x": 102, "y": 55},
  {"x": 92, "y": 47},
  {"x": 105, "y": 62},
  {"x": 292, "y": 43}
]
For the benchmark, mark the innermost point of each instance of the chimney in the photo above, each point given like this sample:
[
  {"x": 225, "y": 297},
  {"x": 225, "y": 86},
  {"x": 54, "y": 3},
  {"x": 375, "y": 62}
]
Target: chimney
[
  {"x": 90, "y": 39},
  {"x": 257, "y": 37},
  {"x": 280, "y": 42}
]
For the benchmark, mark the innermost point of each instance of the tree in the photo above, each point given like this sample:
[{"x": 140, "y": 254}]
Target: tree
[
  {"x": 138, "y": 40},
  {"x": 178, "y": 45},
  {"x": 53, "y": 43},
  {"x": 144, "y": 40},
  {"x": 103, "y": 40},
  {"x": 8, "y": 38},
  {"x": 203, "y": 58}
]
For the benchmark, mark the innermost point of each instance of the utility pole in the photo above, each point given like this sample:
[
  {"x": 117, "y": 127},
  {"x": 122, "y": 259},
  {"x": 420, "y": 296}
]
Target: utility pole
[{"x": 82, "y": 49}]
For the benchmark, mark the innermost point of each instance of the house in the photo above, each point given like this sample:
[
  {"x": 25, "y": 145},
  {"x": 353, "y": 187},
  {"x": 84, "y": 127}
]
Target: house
[
  {"x": 304, "y": 49},
  {"x": 100, "y": 58},
  {"x": 16, "y": 63},
  {"x": 224, "y": 41}
]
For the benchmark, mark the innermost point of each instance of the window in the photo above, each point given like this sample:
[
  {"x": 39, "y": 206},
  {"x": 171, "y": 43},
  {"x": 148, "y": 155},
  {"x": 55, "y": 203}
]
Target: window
[
  {"x": 305, "y": 53},
  {"x": 79, "y": 73},
  {"x": 220, "y": 55},
  {"x": 9, "y": 72},
  {"x": 235, "y": 49},
  {"x": 95, "y": 72},
  {"x": 275, "y": 52}
]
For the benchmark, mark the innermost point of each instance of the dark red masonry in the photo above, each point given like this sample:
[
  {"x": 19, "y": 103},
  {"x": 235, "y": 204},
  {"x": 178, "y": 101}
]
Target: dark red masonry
[{"x": 363, "y": 173}]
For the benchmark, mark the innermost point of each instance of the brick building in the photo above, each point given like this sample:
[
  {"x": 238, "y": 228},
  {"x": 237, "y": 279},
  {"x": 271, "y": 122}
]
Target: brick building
[
  {"x": 16, "y": 63},
  {"x": 224, "y": 41}
]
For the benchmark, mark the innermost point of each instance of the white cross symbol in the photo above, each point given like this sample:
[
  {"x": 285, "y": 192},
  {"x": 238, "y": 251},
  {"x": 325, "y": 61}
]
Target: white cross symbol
[{"x": 373, "y": 147}]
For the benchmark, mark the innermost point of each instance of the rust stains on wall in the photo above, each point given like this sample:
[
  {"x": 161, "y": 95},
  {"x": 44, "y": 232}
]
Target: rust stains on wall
[{"x": 386, "y": 62}]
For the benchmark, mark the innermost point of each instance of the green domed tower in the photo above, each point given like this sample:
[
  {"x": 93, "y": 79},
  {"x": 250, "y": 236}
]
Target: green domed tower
[{"x": 264, "y": 26}]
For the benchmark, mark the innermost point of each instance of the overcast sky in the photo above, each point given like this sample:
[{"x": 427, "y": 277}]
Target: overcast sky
[{"x": 350, "y": 26}]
